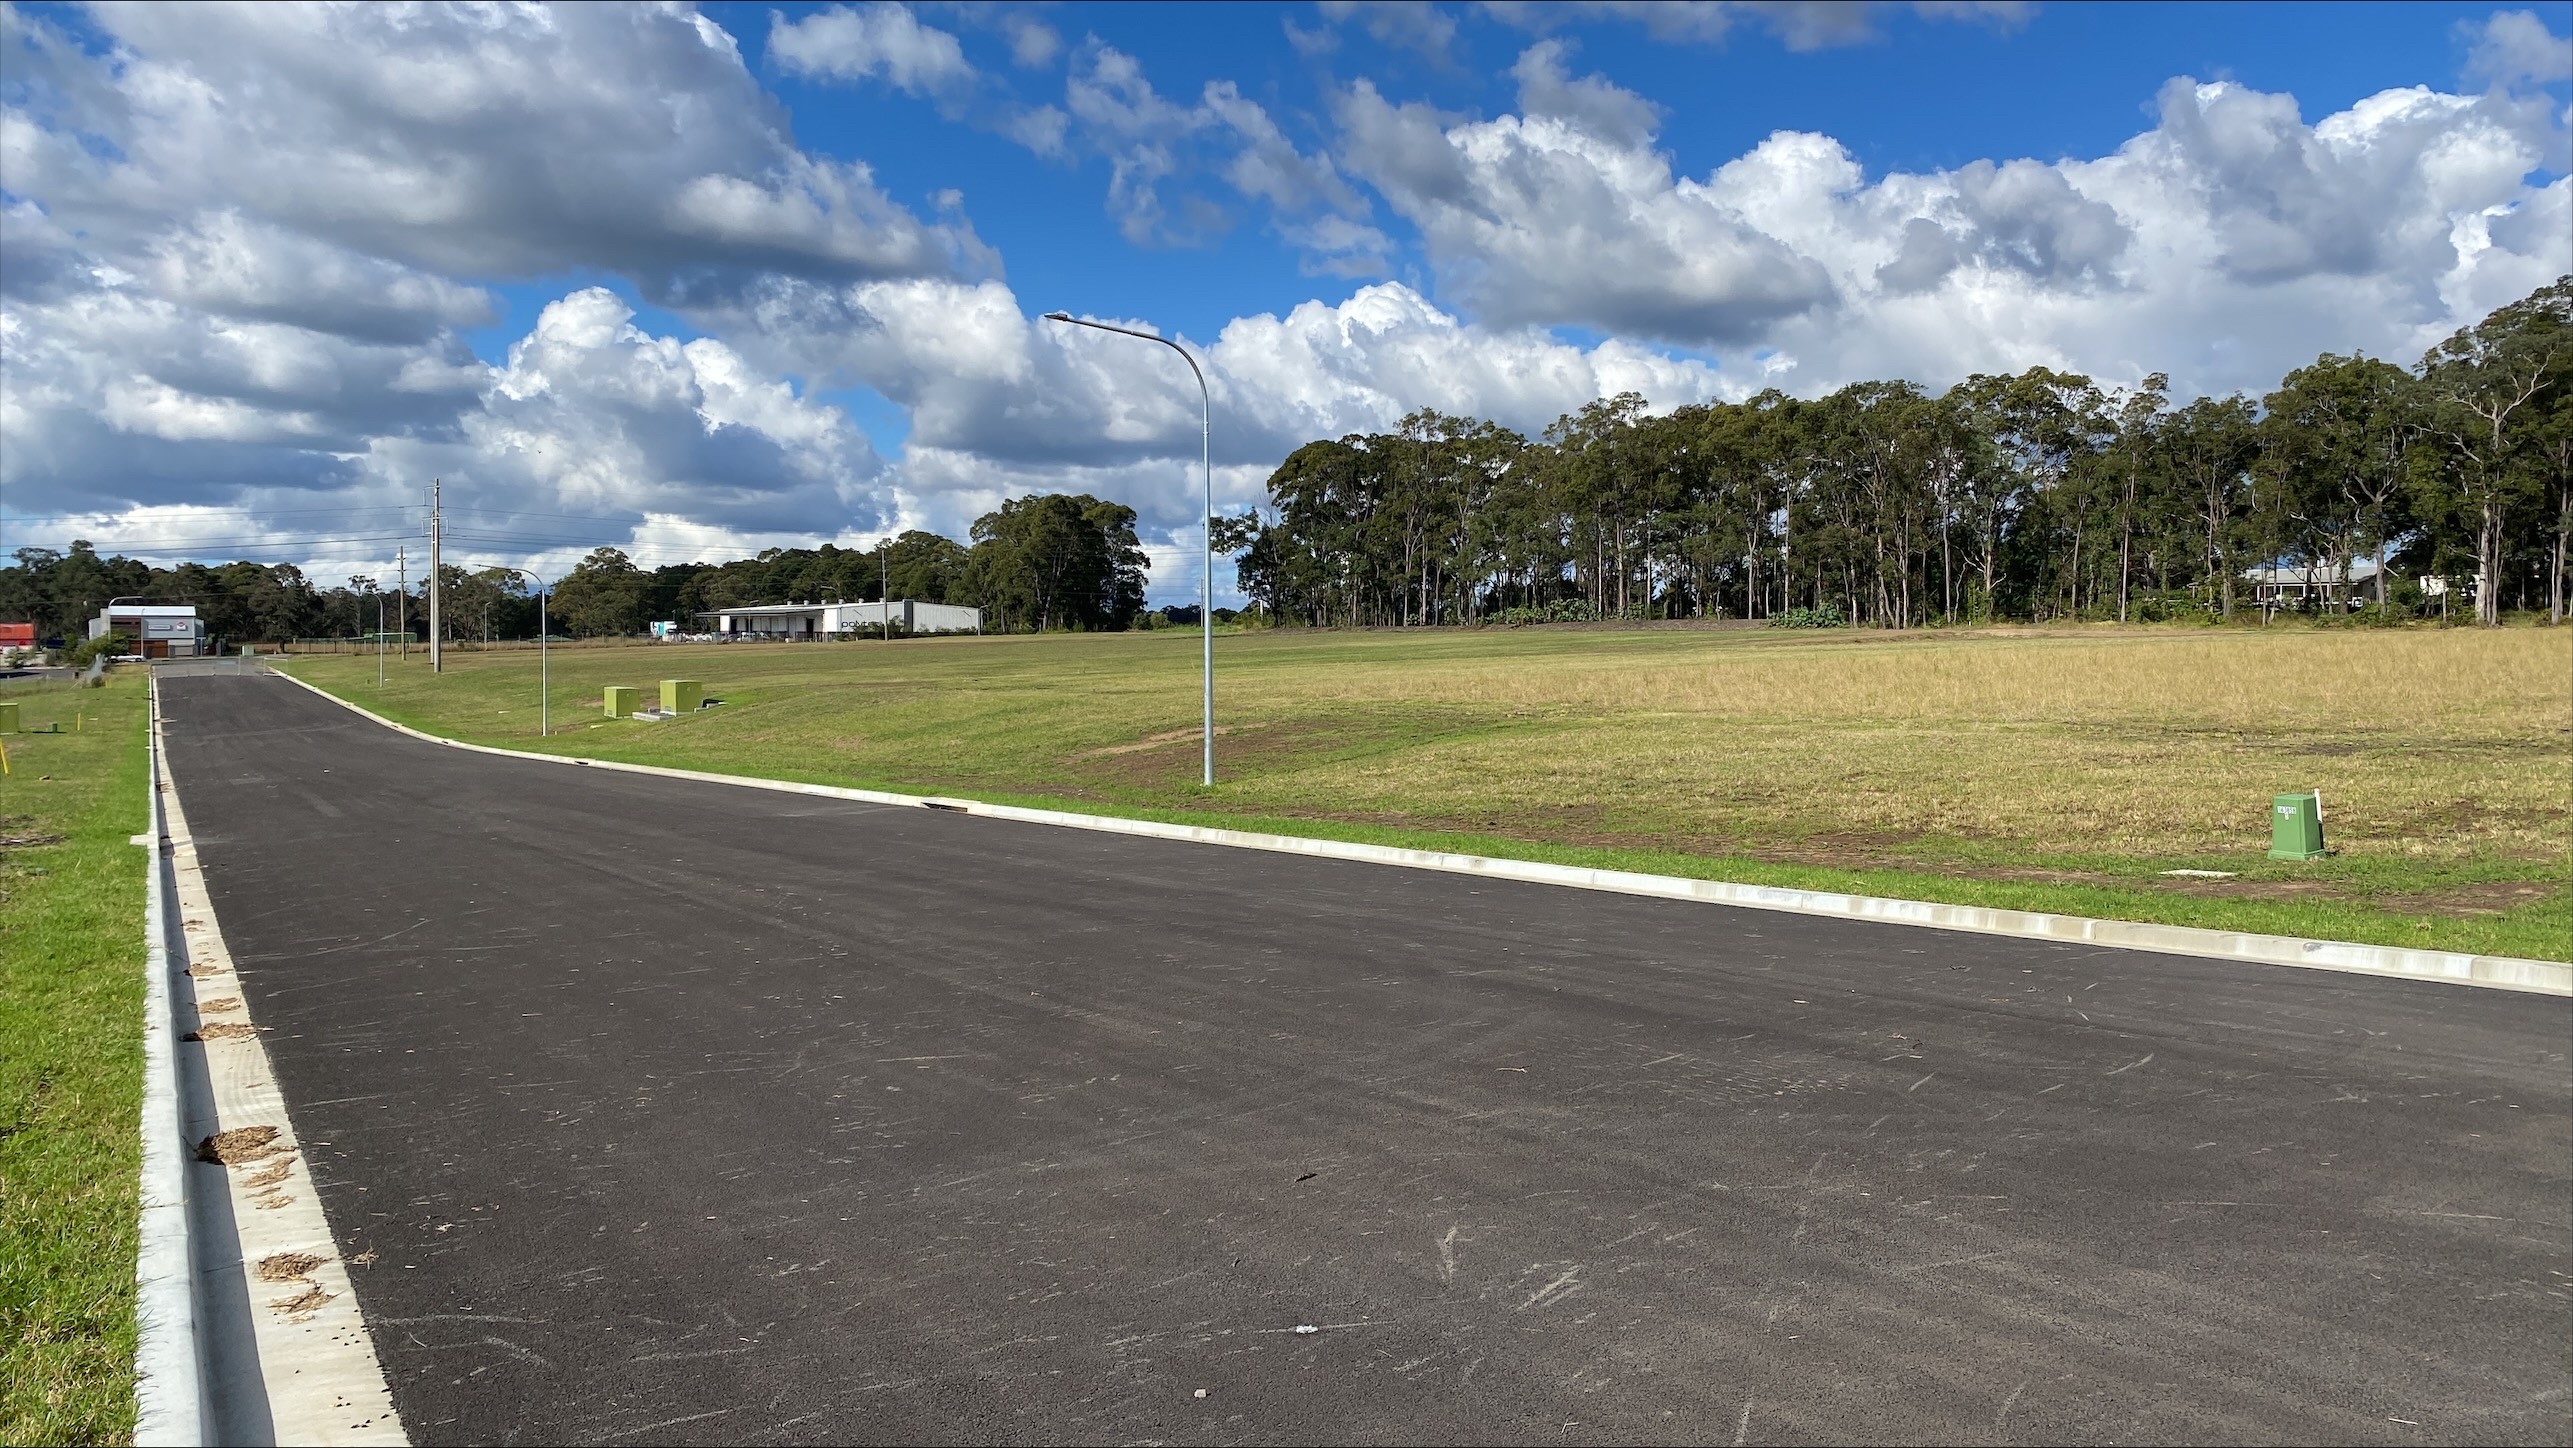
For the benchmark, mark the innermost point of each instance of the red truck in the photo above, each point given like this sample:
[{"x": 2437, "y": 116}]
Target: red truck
[{"x": 17, "y": 636}]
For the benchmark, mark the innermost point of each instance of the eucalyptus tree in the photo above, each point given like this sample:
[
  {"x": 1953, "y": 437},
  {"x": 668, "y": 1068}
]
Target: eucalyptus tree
[
  {"x": 602, "y": 596},
  {"x": 1055, "y": 560},
  {"x": 2489, "y": 389},
  {"x": 2335, "y": 437},
  {"x": 2554, "y": 448},
  {"x": 2040, "y": 423},
  {"x": 2211, "y": 444},
  {"x": 2134, "y": 455}
]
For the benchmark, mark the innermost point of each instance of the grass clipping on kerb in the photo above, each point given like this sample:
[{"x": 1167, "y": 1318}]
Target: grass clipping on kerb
[
  {"x": 2054, "y": 770},
  {"x": 71, "y": 1068}
]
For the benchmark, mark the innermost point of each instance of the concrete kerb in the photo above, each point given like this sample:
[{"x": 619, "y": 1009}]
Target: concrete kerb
[
  {"x": 2492, "y": 972},
  {"x": 169, "y": 1361}
]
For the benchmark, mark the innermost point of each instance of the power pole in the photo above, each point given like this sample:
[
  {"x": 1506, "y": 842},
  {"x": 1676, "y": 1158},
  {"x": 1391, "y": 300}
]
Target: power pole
[
  {"x": 402, "y": 598},
  {"x": 437, "y": 658}
]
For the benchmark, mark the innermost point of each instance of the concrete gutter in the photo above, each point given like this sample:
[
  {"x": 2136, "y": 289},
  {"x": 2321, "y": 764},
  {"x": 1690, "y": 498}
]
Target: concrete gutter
[
  {"x": 2494, "y": 972},
  {"x": 169, "y": 1372}
]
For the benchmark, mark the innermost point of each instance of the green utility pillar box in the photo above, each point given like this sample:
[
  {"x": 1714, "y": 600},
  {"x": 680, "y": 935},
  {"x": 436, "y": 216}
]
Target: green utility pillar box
[
  {"x": 2296, "y": 826},
  {"x": 621, "y": 699},
  {"x": 682, "y": 696},
  {"x": 9, "y": 717}
]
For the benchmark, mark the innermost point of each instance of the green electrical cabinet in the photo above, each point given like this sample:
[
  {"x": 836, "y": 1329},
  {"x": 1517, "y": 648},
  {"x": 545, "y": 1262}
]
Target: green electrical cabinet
[
  {"x": 2296, "y": 826},
  {"x": 9, "y": 716},
  {"x": 682, "y": 696},
  {"x": 621, "y": 700}
]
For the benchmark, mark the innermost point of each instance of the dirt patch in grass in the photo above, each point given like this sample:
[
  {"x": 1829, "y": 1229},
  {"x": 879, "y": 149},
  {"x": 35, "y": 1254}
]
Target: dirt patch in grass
[
  {"x": 2453, "y": 902},
  {"x": 2261, "y": 889},
  {"x": 1160, "y": 761},
  {"x": 1854, "y": 850},
  {"x": 2495, "y": 897},
  {"x": 1162, "y": 740},
  {"x": 18, "y": 832},
  {"x": 239, "y": 1145}
]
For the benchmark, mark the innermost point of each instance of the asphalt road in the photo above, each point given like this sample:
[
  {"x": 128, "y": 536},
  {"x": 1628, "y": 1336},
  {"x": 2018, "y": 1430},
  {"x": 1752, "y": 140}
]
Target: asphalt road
[{"x": 663, "y": 1111}]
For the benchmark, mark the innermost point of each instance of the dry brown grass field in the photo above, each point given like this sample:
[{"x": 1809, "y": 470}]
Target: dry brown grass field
[{"x": 2053, "y": 769}]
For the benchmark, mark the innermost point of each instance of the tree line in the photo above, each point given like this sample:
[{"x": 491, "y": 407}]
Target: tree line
[
  {"x": 2035, "y": 496},
  {"x": 1044, "y": 563}
]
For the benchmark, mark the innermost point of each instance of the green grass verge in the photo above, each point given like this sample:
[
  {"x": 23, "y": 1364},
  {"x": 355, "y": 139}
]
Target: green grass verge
[
  {"x": 71, "y": 1068},
  {"x": 2050, "y": 770}
]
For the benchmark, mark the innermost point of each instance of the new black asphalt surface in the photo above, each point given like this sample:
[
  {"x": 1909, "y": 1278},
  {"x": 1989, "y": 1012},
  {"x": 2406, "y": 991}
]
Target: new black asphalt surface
[{"x": 664, "y": 1111}]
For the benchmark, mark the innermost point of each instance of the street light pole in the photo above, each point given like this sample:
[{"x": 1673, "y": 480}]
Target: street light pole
[
  {"x": 1206, "y": 550},
  {"x": 544, "y": 658}
]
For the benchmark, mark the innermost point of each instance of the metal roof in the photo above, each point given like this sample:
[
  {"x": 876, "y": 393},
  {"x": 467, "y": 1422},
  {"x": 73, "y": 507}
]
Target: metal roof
[
  {"x": 2361, "y": 570},
  {"x": 751, "y": 610}
]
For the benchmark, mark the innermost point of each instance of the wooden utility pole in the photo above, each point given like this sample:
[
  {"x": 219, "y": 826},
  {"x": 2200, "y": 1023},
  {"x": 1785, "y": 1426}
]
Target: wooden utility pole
[{"x": 437, "y": 656}]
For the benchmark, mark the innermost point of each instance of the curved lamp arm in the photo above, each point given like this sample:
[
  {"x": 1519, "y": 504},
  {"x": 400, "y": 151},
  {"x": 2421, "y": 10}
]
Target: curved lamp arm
[{"x": 1206, "y": 556}]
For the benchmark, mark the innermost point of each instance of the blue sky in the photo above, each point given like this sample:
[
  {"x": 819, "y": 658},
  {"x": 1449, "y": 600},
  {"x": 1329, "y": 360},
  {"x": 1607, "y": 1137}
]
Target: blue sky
[
  {"x": 706, "y": 290},
  {"x": 2064, "y": 81}
]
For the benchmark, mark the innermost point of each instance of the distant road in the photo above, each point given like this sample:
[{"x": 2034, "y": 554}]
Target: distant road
[{"x": 682, "y": 1112}]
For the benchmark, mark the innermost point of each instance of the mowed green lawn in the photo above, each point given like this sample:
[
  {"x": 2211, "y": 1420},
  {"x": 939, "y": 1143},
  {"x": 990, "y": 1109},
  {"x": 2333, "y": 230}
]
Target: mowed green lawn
[
  {"x": 71, "y": 1061},
  {"x": 2059, "y": 770}
]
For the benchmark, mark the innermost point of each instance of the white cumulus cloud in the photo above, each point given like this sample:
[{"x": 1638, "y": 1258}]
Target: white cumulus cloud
[
  {"x": 883, "y": 39},
  {"x": 2231, "y": 241}
]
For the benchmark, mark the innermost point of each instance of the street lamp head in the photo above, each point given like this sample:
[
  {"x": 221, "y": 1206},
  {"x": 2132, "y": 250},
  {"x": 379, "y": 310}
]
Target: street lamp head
[{"x": 1058, "y": 316}]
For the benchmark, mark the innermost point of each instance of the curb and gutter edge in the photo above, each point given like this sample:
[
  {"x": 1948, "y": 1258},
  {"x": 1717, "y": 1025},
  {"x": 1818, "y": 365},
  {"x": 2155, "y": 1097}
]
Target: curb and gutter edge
[
  {"x": 2493, "y": 972},
  {"x": 169, "y": 1364}
]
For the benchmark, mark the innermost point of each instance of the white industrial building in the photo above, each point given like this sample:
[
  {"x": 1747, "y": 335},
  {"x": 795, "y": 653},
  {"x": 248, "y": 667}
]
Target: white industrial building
[
  {"x": 831, "y": 620},
  {"x": 159, "y": 630}
]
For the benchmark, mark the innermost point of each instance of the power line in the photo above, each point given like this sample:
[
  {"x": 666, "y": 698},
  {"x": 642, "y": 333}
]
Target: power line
[
  {"x": 636, "y": 519},
  {"x": 108, "y": 516},
  {"x": 178, "y": 545}
]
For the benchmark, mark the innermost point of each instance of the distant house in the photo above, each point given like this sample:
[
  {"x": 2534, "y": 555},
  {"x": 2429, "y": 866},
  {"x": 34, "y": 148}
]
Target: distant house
[
  {"x": 2440, "y": 586},
  {"x": 159, "y": 630},
  {"x": 2312, "y": 586},
  {"x": 830, "y": 620}
]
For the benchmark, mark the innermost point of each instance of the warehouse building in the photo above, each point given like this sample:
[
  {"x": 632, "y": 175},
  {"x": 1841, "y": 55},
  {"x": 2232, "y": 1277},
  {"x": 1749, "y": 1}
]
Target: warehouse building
[
  {"x": 834, "y": 620},
  {"x": 159, "y": 630}
]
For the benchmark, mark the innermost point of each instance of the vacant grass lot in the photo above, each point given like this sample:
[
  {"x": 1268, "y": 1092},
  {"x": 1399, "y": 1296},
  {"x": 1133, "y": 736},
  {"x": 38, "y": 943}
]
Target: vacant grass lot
[
  {"x": 71, "y": 1066},
  {"x": 2052, "y": 770}
]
